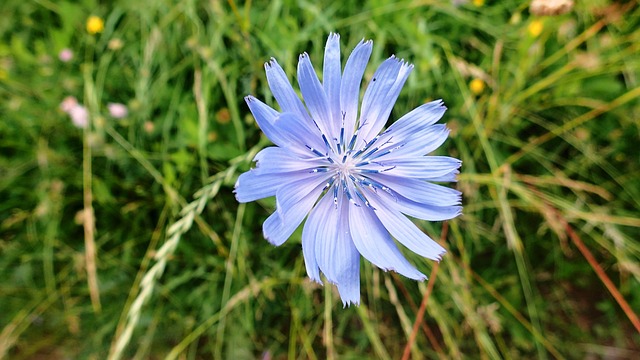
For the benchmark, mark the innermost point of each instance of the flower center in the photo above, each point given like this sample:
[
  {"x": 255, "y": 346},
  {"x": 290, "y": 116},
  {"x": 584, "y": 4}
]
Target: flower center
[
  {"x": 350, "y": 168},
  {"x": 345, "y": 167}
]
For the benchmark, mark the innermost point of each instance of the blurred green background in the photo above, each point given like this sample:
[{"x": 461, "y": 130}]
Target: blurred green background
[{"x": 124, "y": 240}]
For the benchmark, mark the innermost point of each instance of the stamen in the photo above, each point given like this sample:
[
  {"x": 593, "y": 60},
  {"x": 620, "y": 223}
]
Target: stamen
[
  {"x": 353, "y": 140},
  {"x": 369, "y": 184},
  {"x": 358, "y": 152},
  {"x": 326, "y": 142},
  {"x": 387, "y": 152},
  {"x": 315, "y": 151},
  {"x": 386, "y": 142},
  {"x": 349, "y": 196},
  {"x": 355, "y": 135},
  {"x": 329, "y": 183},
  {"x": 374, "y": 185},
  {"x": 372, "y": 171},
  {"x": 372, "y": 141},
  {"x": 370, "y": 152},
  {"x": 344, "y": 114},
  {"x": 364, "y": 199},
  {"x": 316, "y": 124},
  {"x": 366, "y": 146}
]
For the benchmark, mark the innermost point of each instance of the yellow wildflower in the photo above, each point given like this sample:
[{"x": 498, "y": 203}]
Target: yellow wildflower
[
  {"x": 478, "y": 3},
  {"x": 95, "y": 25},
  {"x": 476, "y": 86},
  {"x": 535, "y": 28}
]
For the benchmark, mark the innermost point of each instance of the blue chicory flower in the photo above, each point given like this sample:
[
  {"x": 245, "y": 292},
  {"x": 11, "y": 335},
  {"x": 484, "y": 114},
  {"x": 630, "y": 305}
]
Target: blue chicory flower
[{"x": 355, "y": 182}]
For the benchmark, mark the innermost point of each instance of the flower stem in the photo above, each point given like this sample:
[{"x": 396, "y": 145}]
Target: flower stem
[{"x": 328, "y": 323}]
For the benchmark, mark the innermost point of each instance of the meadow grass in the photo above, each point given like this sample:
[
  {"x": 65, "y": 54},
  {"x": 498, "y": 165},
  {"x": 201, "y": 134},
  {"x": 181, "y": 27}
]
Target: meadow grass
[{"x": 124, "y": 239}]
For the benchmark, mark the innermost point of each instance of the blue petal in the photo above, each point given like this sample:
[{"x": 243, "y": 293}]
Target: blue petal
[
  {"x": 350, "y": 86},
  {"x": 262, "y": 112},
  {"x": 418, "y": 118},
  {"x": 421, "y": 210},
  {"x": 293, "y": 194},
  {"x": 449, "y": 177},
  {"x": 295, "y": 135},
  {"x": 349, "y": 281},
  {"x": 327, "y": 244},
  {"x": 309, "y": 240},
  {"x": 423, "y": 167},
  {"x": 378, "y": 87},
  {"x": 323, "y": 227},
  {"x": 314, "y": 95},
  {"x": 281, "y": 133},
  {"x": 265, "y": 117},
  {"x": 331, "y": 74},
  {"x": 419, "y": 190},
  {"x": 424, "y": 141},
  {"x": 405, "y": 231},
  {"x": 381, "y": 95},
  {"x": 347, "y": 259},
  {"x": 252, "y": 186},
  {"x": 283, "y": 91},
  {"x": 373, "y": 242},
  {"x": 415, "y": 132},
  {"x": 392, "y": 96},
  {"x": 277, "y": 231},
  {"x": 275, "y": 159},
  {"x": 293, "y": 202}
]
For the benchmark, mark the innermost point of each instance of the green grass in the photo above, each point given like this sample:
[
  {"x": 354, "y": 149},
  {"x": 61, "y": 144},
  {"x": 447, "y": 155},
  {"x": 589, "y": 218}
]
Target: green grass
[{"x": 550, "y": 162}]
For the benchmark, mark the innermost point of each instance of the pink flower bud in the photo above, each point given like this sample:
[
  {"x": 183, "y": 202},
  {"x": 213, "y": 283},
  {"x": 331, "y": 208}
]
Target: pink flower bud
[
  {"x": 65, "y": 55},
  {"x": 68, "y": 103},
  {"x": 118, "y": 110},
  {"x": 79, "y": 116}
]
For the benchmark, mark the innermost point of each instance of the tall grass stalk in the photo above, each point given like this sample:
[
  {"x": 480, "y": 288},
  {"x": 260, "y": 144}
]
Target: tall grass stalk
[{"x": 173, "y": 234}]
